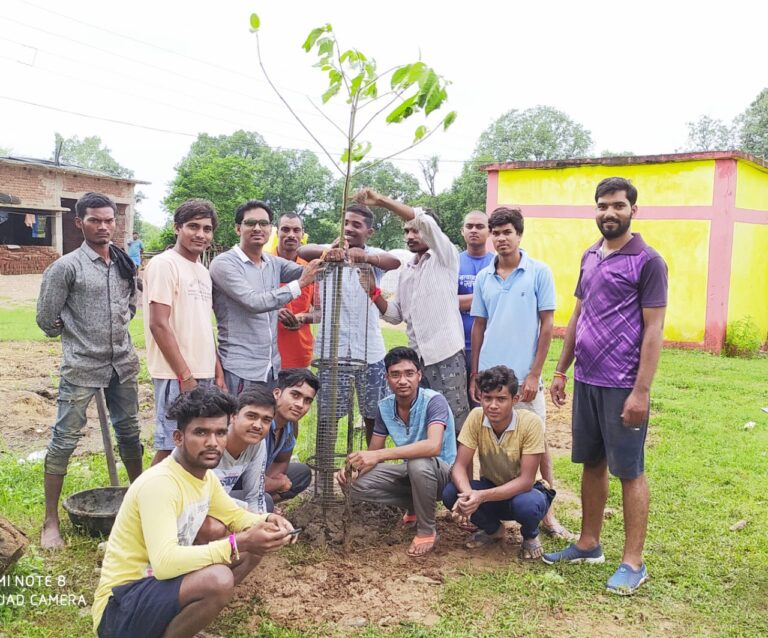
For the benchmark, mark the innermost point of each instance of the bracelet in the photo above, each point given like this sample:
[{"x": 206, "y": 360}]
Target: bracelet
[
  {"x": 185, "y": 379},
  {"x": 233, "y": 545},
  {"x": 375, "y": 294},
  {"x": 562, "y": 375}
]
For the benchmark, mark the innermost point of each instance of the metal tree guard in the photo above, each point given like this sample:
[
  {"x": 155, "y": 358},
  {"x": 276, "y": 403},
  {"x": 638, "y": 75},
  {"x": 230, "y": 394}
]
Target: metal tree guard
[{"x": 341, "y": 354}]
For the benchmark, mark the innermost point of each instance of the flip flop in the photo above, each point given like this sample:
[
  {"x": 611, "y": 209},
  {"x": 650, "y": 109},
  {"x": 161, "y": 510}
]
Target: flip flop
[
  {"x": 419, "y": 541},
  {"x": 408, "y": 520},
  {"x": 531, "y": 549},
  {"x": 559, "y": 532}
]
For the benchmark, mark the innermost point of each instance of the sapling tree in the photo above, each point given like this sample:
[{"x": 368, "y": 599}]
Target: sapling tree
[{"x": 397, "y": 94}]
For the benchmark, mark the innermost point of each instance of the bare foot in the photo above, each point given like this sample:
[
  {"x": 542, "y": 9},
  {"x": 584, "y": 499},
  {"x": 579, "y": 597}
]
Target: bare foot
[
  {"x": 422, "y": 545},
  {"x": 50, "y": 537}
]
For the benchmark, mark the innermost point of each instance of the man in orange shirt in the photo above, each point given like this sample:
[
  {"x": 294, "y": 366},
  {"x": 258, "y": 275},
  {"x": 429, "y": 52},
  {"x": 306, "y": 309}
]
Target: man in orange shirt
[{"x": 294, "y": 332}]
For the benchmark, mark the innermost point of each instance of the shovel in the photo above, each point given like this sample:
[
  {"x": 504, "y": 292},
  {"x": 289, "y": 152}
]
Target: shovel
[{"x": 101, "y": 407}]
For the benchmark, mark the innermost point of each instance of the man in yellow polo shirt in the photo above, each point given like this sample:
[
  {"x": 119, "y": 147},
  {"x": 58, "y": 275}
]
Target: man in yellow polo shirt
[
  {"x": 510, "y": 444},
  {"x": 160, "y": 577}
]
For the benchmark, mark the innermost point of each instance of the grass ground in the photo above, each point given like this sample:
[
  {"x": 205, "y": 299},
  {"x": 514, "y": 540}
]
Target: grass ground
[{"x": 705, "y": 470}]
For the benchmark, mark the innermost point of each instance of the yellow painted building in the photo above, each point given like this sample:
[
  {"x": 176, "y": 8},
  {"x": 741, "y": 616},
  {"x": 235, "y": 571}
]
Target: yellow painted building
[{"x": 705, "y": 213}]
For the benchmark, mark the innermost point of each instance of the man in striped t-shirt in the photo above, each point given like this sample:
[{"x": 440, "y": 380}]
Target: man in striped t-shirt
[{"x": 427, "y": 303}]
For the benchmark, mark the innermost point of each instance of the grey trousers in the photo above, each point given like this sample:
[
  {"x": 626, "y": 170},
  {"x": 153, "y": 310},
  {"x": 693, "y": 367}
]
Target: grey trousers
[
  {"x": 449, "y": 378},
  {"x": 415, "y": 485}
]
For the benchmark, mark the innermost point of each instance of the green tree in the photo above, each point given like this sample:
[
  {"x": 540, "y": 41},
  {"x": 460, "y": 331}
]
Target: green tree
[
  {"x": 610, "y": 153},
  {"x": 4, "y": 151},
  {"x": 753, "y": 126},
  {"x": 709, "y": 134},
  {"x": 538, "y": 133},
  {"x": 88, "y": 153},
  {"x": 229, "y": 170}
]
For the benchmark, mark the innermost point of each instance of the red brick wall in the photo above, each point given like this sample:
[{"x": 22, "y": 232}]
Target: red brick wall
[
  {"x": 32, "y": 187},
  {"x": 41, "y": 187},
  {"x": 26, "y": 260}
]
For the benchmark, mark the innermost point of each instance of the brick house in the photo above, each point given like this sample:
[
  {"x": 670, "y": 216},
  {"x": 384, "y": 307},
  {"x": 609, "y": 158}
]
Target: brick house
[{"x": 37, "y": 210}]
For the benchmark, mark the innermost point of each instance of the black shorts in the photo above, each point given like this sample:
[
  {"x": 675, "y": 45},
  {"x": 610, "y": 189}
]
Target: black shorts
[
  {"x": 599, "y": 431},
  {"x": 141, "y": 608}
]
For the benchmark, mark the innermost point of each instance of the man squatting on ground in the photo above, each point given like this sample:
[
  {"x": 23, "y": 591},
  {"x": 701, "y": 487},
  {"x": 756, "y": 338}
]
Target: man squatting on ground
[
  {"x": 421, "y": 424},
  {"x": 294, "y": 332},
  {"x": 622, "y": 290},
  {"x": 247, "y": 297},
  {"x": 154, "y": 581},
  {"x": 89, "y": 297},
  {"x": 244, "y": 459},
  {"x": 181, "y": 352},
  {"x": 510, "y": 444},
  {"x": 294, "y": 394},
  {"x": 426, "y": 302},
  {"x": 513, "y": 308},
  {"x": 357, "y": 340}
]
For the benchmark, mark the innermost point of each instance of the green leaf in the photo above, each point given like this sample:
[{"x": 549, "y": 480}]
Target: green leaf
[
  {"x": 332, "y": 90},
  {"x": 312, "y": 37},
  {"x": 360, "y": 151},
  {"x": 416, "y": 71},
  {"x": 449, "y": 119},
  {"x": 399, "y": 74},
  {"x": 255, "y": 22},
  {"x": 402, "y": 111},
  {"x": 345, "y": 155},
  {"x": 354, "y": 86},
  {"x": 325, "y": 47},
  {"x": 420, "y": 132}
]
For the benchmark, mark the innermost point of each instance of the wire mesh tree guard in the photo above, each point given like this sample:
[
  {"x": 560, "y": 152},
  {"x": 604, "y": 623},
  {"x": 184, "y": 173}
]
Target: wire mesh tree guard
[{"x": 341, "y": 350}]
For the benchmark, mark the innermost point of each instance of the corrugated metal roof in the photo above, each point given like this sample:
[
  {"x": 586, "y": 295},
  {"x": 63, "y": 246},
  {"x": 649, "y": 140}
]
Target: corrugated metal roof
[{"x": 63, "y": 167}]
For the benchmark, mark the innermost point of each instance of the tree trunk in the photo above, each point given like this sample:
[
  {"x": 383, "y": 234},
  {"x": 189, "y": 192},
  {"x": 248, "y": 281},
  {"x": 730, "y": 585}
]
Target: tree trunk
[{"x": 13, "y": 542}]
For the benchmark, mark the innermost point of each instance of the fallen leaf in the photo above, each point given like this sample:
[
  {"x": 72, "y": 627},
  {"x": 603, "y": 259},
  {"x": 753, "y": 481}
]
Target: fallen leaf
[{"x": 739, "y": 525}]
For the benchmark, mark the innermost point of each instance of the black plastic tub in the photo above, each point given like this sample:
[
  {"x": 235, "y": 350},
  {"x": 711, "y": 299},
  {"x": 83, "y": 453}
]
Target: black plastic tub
[{"x": 93, "y": 511}]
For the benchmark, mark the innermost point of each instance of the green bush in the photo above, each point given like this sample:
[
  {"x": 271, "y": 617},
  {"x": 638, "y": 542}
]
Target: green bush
[{"x": 743, "y": 338}]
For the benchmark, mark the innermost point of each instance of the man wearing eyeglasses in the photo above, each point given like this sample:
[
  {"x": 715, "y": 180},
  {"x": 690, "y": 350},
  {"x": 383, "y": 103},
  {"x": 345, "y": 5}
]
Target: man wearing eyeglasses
[
  {"x": 420, "y": 423},
  {"x": 247, "y": 297}
]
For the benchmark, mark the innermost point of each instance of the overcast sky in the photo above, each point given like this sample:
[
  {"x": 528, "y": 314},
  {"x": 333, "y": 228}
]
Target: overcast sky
[{"x": 631, "y": 73}]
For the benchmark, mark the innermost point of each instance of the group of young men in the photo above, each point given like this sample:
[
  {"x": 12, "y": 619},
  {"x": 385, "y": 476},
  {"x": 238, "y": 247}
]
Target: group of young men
[{"x": 479, "y": 327}]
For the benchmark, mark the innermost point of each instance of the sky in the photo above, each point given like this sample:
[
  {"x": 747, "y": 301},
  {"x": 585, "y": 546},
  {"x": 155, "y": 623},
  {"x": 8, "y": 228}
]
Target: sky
[{"x": 147, "y": 77}]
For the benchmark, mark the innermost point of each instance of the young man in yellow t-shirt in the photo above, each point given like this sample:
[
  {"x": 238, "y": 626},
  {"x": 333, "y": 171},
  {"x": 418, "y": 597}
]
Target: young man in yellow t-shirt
[
  {"x": 510, "y": 444},
  {"x": 154, "y": 581}
]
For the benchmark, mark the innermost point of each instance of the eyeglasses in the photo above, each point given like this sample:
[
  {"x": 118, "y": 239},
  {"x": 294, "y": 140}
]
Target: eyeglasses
[
  {"x": 408, "y": 374},
  {"x": 252, "y": 223}
]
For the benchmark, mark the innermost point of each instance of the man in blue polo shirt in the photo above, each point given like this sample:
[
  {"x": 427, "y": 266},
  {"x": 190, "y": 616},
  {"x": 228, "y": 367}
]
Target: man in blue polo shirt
[
  {"x": 295, "y": 392},
  {"x": 421, "y": 424},
  {"x": 513, "y": 308}
]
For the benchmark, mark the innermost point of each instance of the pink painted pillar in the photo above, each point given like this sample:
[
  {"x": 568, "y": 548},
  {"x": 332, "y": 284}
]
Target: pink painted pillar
[{"x": 720, "y": 251}]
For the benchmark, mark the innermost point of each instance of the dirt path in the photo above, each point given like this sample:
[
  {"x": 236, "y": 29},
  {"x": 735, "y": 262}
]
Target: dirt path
[
  {"x": 19, "y": 289},
  {"x": 29, "y": 387}
]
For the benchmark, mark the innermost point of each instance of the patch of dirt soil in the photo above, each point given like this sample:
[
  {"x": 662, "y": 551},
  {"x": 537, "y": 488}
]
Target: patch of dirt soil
[
  {"x": 374, "y": 584},
  {"x": 28, "y": 406},
  {"x": 558, "y": 426}
]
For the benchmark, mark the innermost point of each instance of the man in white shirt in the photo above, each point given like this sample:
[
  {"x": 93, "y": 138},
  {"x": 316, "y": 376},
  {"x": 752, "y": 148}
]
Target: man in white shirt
[{"x": 426, "y": 301}]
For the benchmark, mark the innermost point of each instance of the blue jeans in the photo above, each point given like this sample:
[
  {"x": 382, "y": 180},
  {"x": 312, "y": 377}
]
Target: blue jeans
[
  {"x": 123, "y": 406},
  {"x": 527, "y": 508}
]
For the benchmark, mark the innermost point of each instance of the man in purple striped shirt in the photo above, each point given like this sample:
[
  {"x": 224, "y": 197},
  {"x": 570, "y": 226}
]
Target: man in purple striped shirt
[{"x": 615, "y": 335}]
